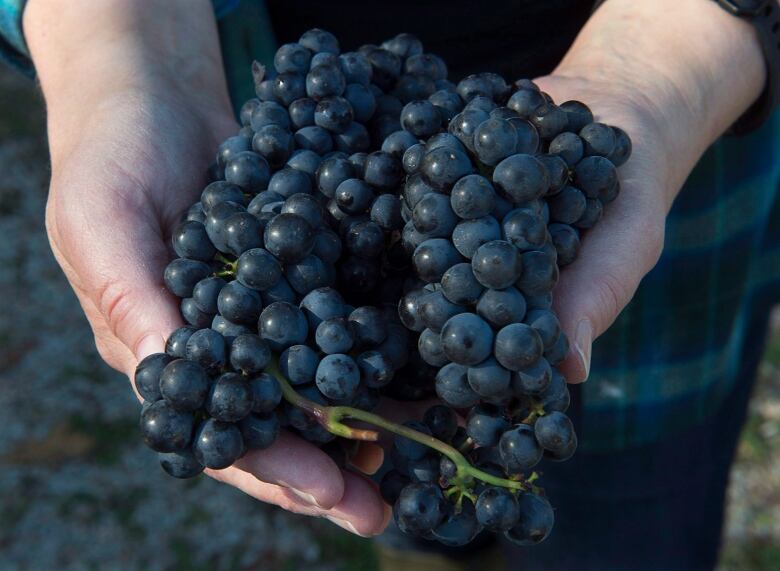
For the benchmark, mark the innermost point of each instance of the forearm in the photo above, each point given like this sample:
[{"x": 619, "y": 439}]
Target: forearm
[
  {"x": 93, "y": 49},
  {"x": 694, "y": 66}
]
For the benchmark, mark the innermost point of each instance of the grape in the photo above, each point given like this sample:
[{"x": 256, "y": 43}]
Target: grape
[
  {"x": 327, "y": 246},
  {"x": 376, "y": 369},
  {"x": 321, "y": 304},
  {"x": 447, "y": 140},
  {"x": 524, "y": 230},
  {"x": 421, "y": 118},
  {"x": 579, "y": 115},
  {"x": 409, "y": 311},
  {"x": 282, "y": 325},
  {"x": 239, "y": 303},
  {"x": 434, "y": 257},
  {"x": 365, "y": 240},
  {"x": 192, "y": 314},
  {"x": 165, "y": 429},
  {"x": 466, "y": 339},
  {"x": 383, "y": 171},
  {"x": 217, "y": 444},
  {"x": 182, "y": 464},
  {"x": 453, "y": 388},
  {"x": 292, "y": 58},
  {"x": 355, "y": 67},
  {"x": 497, "y": 509},
  {"x": 190, "y": 240},
  {"x": 540, "y": 273},
  {"x": 412, "y": 158},
  {"x": 386, "y": 212},
  {"x": 337, "y": 377},
  {"x": 420, "y": 507},
  {"x": 555, "y": 432},
  {"x": 599, "y": 139},
  {"x": 182, "y": 274},
  {"x": 519, "y": 449},
  {"x": 567, "y": 243},
  {"x": 147, "y": 374},
  {"x": 534, "y": 379},
  {"x": 473, "y": 197},
  {"x": 524, "y": 101},
  {"x": 259, "y": 431},
  {"x": 302, "y": 112},
  {"x": 433, "y": 216},
  {"x": 334, "y": 114},
  {"x": 288, "y": 86},
  {"x": 501, "y": 307},
  {"x": 489, "y": 379},
  {"x": 249, "y": 354},
  {"x": 258, "y": 269},
  {"x": 517, "y": 346},
  {"x": 289, "y": 238},
  {"x": 335, "y": 335},
  {"x": 206, "y": 292},
  {"x": 593, "y": 211},
  {"x": 595, "y": 176},
  {"x": 299, "y": 364},
  {"x": 207, "y": 348},
  {"x": 569, "y": 147},
  {"x": 494, "y": 140},
  {"x": 249, "y": 170},
  {"x": 354, "y": 196},
  {"x": 309, "y": 273},
  {"x": 535, "y": 522},
  {"x": 447, "y": 102},
  {"x": 313, "y": 138},
  {"x": 430, "y": 347},
  {"x": 289, "y": 182},
  {"x": 497, "y": 264},
  {"x": 469, "y": 235},
  {"x": 442, "y": 167},
  {"x": 385, "y": 67},
  {"x": 184, "y": 385},
  {"x": 441, "y": 421},
  {"x": 567, "y": 206},
  {"x": 623, "y": 147},
  {"x": 266, "y": 393},
  {"x": 280, "y": 291},
  {"x": 459, "y": 285},
  {"x": 549, "y": 119},
  {"x": 485, "y": 425},
  {"x": 175, "y": 346},
  {"x": 521, "y": 178},
  {"x": 228, "y": 329},
  {"x": 368, "y": 325},
  {"x": 458, "y": 529},
  {"x": 435, "y": 310}
]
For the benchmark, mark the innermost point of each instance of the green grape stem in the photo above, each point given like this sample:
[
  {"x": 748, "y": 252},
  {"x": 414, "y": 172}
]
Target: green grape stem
[{"x": 331, "y": 418}]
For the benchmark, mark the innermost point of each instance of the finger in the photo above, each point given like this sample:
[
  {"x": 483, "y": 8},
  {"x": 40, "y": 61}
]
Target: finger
[
  {"x": 298, "y": 466},
  {"x": 614, "y": 257},
  {"x": 360, "y": 511},
  {"x": 118, "y": 260}
]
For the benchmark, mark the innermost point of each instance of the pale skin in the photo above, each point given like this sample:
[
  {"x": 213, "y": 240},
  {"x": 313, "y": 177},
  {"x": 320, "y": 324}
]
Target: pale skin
[{"x": 137, "y": 104}]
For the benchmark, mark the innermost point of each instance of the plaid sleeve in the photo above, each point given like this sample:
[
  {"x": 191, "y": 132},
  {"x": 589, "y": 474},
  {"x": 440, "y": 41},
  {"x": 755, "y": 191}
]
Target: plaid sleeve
[{"x": 13, "y": 48}]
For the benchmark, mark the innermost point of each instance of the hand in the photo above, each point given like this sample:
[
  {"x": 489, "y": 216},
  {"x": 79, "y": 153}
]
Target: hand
[
  {"x": 129, "y": 148},
  {"x": 653, "y": 69}
]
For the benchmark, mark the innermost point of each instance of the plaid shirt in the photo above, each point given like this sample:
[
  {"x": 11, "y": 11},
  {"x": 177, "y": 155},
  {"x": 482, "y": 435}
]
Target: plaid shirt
[{"x": 678, "y": 348}]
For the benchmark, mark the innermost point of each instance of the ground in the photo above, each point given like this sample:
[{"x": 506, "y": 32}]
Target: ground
[{"x": 80, "y": 492}]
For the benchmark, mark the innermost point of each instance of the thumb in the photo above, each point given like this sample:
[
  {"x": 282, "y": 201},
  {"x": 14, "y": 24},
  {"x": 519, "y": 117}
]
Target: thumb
[
  {"x": 614, "y": 258},
  {"x": 116, "y": 268}
]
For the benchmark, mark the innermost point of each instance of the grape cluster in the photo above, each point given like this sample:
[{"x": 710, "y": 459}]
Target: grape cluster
[
  {"x": 494, "y": 202},
  {"x": 375, "y": 229}
]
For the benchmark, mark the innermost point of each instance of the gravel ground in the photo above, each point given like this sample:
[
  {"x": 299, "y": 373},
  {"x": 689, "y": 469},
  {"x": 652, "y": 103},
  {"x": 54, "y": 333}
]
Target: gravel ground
[{"x": 78, "y": 490}]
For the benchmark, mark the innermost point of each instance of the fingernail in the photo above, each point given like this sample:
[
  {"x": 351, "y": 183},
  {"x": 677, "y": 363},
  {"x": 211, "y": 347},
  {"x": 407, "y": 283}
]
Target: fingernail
[
  {"x": 152, "y": 343},
  {"x": 304, "y": 497},
  {"x": 344, "y": 524},
  {"x": 583, "y": 340}
]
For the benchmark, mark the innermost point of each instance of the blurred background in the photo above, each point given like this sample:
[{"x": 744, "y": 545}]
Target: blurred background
[{"x": 78, "y": 490}]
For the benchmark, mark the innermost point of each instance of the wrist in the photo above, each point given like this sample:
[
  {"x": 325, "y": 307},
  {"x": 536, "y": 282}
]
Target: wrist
[
  {"x": 688, "y": 63},
  {"x": 95, "y": 53}
]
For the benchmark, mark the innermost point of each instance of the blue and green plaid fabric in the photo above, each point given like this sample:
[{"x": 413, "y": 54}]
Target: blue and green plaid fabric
[{"x": 674, "y": 353}]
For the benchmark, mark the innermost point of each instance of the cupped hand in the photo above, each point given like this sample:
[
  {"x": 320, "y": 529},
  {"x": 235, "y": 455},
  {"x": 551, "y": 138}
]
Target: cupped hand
[{"x": 120, "y": 185}]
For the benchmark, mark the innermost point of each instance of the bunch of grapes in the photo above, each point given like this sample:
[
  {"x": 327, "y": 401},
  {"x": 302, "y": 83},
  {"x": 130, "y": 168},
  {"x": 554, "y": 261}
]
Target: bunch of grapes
[{"x": 374, "y": 229}]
